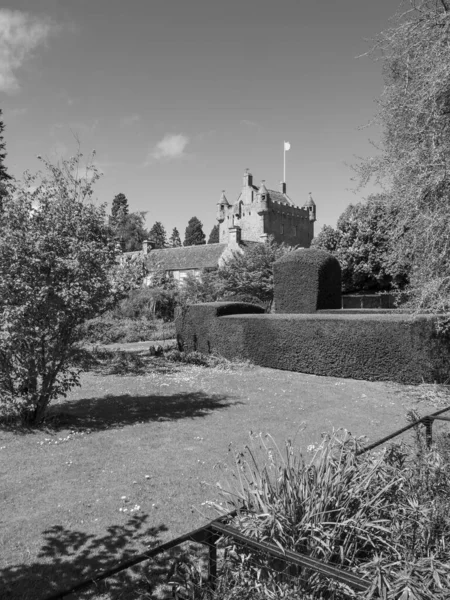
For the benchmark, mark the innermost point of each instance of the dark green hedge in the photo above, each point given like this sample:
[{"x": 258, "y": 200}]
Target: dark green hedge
[
  {"x": 306, "y": 280},
  {"x": 372, "y": 346}
]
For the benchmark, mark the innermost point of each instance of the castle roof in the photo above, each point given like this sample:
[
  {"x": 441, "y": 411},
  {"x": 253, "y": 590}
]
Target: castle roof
[
  {"x": 280, "y": 197},
  {"x": 185, "y": 257},
  {"x": 223, "y": 199}
]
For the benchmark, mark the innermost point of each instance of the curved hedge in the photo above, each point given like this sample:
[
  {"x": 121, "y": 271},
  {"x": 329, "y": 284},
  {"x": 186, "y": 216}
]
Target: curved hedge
[
  {"x": 306, "y": 280},
  {"x": 372, "y": 346}
]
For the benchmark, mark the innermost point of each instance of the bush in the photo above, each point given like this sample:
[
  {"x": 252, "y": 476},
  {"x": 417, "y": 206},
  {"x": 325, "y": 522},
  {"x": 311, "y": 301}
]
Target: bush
[
  {"x": 140, "y": 304},
  {"x": 383, "y": 515}
]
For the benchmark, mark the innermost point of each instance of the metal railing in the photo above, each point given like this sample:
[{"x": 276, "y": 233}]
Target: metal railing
[
  {"x": 278, "y": 564},
  {"x": 426, "y": 421}
]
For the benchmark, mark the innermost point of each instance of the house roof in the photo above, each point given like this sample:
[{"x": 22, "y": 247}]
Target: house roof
[{"x": 185, "y": 257}]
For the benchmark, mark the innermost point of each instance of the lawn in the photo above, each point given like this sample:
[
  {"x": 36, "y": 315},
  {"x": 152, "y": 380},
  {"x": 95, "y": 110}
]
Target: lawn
[{"x": 130, "y": 460}]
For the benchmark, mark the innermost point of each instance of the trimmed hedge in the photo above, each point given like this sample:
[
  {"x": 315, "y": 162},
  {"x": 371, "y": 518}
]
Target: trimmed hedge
[
  {"x": 195, "y": 323},
  {"x": 306, "y": 280},
  {"x": 360, "y": 345}
]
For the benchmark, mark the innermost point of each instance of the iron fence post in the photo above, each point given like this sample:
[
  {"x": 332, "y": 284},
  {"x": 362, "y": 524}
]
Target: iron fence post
[
  {"x": 428, "y": 422},
  {"x": 212, "y": 559}
]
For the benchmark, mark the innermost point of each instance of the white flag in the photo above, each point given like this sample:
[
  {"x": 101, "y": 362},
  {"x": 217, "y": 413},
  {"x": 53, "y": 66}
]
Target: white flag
[{"x": 287, "y": 146}]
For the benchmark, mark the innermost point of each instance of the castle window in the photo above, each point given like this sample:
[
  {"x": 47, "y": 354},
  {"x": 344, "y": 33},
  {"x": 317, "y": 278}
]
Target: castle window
[
  {"x": 295, "y": 231},
  {"x": 249, "y": 212},
  {"x": 281, "y": 228}
]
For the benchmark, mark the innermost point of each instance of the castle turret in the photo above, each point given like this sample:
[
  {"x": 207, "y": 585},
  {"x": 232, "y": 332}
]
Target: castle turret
[
  {"x": 262, "y": 199},
  {"x": 222, "y": 207},
  {"x": 310, "y": 205}
]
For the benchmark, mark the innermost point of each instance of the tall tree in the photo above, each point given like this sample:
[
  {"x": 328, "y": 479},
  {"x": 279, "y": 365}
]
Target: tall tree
[
  {"x": 130, "y": 231},
  {"x": 214, "y": 235},
  {"x": 119, "y": 206},
  {"x": 158, "y": 234},
  {"x": 362, "y": 242},
  {"x": 4, "y": 175},
  {"x": 248, "y": 275},
  {"x": 413, "y": 160},
  {"x": 56, "y": 271},
  {"x": 175, "y": 240},
  {"x": 194, "y": 235}
]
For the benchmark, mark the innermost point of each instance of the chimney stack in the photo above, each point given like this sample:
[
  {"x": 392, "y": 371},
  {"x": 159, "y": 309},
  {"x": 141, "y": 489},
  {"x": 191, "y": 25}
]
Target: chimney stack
[
  {"x": 235, "y": 235},
  {"x": 147, "y": 246}
]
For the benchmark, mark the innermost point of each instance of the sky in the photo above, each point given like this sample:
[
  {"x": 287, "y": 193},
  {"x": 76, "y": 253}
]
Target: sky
[{"x": 179, "y": 97}]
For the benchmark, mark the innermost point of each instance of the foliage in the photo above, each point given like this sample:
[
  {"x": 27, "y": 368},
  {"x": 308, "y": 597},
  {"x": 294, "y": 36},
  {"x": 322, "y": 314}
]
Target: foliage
[
  {"x": 158, "y": 235},
  {"x": 383, "y": 515},
  {"x": 204, "y": 360},
  {"x": 119, "y": 206},
  {"x": 204, "y": 288},
  {"x": 4, "y": 175},
  {"x": 248, "y": 276},
  {"x": 194, "y": 235},
  {"x": 165, "y": 293},
  {"x": 129, "y": 230},
  {"x": 363, "y": 244},
  {"x": 132, "y": 320},
  {"x": 57, "y": 270},
  {"x": 214, "y": 235},
  {"x": 413, "y": 162},
  {"x": 175, "y": 240}
]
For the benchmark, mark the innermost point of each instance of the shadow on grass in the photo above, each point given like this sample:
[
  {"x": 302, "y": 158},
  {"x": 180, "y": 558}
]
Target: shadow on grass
[
  {"x": 99, "y": 414},
  {"x": 69, "y": 556}
]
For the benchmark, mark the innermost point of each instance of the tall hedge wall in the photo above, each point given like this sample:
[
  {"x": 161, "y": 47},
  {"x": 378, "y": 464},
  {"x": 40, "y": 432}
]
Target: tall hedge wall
[
  {"x": 306, "y": 280},
  {"x": 372, "y": 346}
]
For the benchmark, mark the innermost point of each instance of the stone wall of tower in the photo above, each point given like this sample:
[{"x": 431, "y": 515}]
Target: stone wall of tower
[{"x": 289, "y": 224}]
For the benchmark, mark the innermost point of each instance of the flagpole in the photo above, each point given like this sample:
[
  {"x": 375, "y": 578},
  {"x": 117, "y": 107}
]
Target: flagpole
[{"x": 284, "y": 162}]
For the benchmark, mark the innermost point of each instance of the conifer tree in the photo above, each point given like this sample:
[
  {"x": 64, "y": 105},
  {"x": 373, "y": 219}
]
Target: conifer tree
[
  {"x": 214, "y": 235},
  {"x": 158, "y": 234},
  {"x": 119, "y": 206},
  {"x": 175, "y": 240},
  {"x": 4, "y": 175},
  {"x": 194, "y": 235}
]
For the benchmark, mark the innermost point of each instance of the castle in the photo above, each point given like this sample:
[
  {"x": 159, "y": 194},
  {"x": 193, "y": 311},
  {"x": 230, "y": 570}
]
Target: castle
[{"x": 257, "y": 214}]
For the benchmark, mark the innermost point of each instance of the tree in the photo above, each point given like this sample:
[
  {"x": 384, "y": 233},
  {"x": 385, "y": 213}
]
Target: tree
[
  {"x": 214, "y": 235},
  {"x": 248, "y": 275},
  {"x": 194, "y": 235},
  {"x": 413, "y": 163},
  {"x": 4, "y": 175},
  {"x": 129, "y": 230},
  {"x": 158, "y": 234},
  {"x": 119, "y": 206},
  {"x": 362, "y": 242},
  {"x": 175, "y": 240},
  {"x": 58, "y": 268}
]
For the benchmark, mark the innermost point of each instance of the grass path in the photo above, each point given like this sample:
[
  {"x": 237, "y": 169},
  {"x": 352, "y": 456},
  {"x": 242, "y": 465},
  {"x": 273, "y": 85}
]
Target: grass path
[{"x": 156, "y": 439}]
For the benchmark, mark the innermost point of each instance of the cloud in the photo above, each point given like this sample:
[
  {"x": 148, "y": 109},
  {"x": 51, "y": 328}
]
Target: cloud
[
  {"x": 249, "y": 123},
  {"x": 129, "y": 120},
  {"x": 20, "y": 34},
  {"x": 171, "y": 146}
]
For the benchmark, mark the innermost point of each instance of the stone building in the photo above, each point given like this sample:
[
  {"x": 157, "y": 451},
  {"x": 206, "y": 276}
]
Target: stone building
[
  {"x": 256, "y": 214},
  {"x": 260, "y": 212}
]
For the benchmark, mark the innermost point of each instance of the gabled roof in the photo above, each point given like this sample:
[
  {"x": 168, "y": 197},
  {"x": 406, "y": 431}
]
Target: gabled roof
[{"x": 185, "y": 257}]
